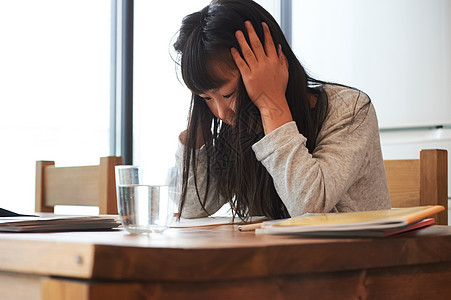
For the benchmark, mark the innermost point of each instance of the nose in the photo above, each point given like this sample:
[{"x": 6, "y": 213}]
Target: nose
[{"x": 222, "y": 109}]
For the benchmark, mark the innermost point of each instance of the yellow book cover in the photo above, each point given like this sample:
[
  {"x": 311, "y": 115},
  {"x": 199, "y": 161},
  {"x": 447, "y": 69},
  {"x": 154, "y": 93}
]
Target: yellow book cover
[{"x": 365, "y": 220}]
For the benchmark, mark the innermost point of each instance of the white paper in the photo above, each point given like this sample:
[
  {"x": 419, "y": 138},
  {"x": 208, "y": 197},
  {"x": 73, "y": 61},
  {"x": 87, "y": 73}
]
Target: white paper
[{"x": 208, "y": 221}]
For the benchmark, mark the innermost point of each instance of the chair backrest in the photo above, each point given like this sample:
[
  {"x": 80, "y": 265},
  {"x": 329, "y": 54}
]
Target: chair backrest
[
  {"x": 424, "y": 181},
  {"x": 80, "y": 186}
]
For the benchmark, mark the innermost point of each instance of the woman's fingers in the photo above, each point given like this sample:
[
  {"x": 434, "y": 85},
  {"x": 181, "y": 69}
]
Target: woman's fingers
[
  {"x": 270, "y": 48},
  {"x": 255, "y": 51},
  {"x": 240, "y": 63},
  {"x": 248, "y": 54},
  {"x": 263, "y": 67},
  {"x": 256, "y": 45},
  {"x": 282, "y": 58}
]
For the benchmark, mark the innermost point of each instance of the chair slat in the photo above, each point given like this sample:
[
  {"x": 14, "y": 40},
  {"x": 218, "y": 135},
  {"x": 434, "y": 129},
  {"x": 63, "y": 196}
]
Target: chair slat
[
  {"x": 423, "y": 181},
  {"x": 78, "y": 186},
  {"x": 71, "y": 185},
  {"x": 403, "y": 178}
]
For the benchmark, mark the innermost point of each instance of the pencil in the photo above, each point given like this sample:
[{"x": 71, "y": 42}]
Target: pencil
[{"x": 249, "y": 227}]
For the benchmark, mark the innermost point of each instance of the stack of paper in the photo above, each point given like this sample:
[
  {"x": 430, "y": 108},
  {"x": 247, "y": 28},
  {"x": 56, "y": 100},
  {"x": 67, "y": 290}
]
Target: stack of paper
[
  {"x": 366, "y": 223},
  {"x": 212, "y": 221},
  {"x": 58, "y": 223}
]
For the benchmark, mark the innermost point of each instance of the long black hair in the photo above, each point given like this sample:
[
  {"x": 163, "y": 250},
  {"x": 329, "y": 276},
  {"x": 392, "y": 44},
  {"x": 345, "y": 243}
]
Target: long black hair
[{"x": 205, "y": 37}]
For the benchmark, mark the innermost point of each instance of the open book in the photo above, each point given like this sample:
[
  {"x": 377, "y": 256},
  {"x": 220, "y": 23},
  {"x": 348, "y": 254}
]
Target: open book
[{"x": 365, "y": 223}]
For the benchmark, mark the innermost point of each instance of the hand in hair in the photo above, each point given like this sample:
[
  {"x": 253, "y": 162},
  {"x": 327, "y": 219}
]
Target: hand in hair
[{"x": 265, "y": 75}]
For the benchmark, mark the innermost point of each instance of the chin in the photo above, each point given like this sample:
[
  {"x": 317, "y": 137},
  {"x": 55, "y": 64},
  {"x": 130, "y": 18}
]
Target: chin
[{"x": 228, "y": 122}]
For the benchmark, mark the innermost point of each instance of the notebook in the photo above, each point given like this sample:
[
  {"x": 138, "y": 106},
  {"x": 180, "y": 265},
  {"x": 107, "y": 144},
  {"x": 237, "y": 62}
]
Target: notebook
[{"x": 365, "y": 223}]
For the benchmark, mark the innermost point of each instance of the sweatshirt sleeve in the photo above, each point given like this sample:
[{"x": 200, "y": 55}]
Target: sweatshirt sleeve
[
  {"x": 192, "y": 207},
  {"x": 309, "y": 183}
]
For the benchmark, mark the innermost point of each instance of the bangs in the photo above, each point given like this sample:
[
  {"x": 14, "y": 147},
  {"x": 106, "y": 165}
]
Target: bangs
[{"x": 197, "y": 68}]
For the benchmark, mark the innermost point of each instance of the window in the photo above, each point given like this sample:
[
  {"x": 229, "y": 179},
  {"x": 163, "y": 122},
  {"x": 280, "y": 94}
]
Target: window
[{"x": 54, "y": 77}]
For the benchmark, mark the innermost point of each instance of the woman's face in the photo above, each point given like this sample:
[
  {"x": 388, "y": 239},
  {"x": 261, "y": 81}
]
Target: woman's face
[{"x": 221, "y": 100}]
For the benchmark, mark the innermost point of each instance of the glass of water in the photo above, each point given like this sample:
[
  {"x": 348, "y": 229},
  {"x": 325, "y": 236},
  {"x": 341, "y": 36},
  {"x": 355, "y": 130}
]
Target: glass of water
[{"x": 145, "y": 201}]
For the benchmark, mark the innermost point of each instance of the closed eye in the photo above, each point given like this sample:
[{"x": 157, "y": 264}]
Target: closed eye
[
  {"x": 228, "y": 95},
  {"x": 206, "y": 98}
]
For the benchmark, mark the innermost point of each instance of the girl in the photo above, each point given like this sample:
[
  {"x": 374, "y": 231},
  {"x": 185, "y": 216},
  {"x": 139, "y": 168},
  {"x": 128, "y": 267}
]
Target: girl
[{"x": 262, "y": 134}]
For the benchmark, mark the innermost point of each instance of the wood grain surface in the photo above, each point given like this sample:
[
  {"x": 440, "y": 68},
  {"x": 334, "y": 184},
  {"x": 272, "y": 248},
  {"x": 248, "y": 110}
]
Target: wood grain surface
[
  {"x": 224, "y": 263},
  {"x": 206, "y": 254}
]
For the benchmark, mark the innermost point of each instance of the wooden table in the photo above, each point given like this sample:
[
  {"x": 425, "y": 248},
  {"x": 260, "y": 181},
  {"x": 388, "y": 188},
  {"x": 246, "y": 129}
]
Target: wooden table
[{"x": 223, "y": 263}]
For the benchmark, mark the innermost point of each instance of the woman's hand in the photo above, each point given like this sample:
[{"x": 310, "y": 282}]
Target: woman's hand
[{"x": 265, "y": 75}]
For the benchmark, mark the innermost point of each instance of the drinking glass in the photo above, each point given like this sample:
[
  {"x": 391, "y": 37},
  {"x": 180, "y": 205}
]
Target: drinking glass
[{"x": 145, "y": 199}]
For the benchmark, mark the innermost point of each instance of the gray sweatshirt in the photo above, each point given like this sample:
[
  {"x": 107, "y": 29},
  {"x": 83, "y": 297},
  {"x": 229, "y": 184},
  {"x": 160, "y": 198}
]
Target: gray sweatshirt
[{"x": 344, "y": 173}]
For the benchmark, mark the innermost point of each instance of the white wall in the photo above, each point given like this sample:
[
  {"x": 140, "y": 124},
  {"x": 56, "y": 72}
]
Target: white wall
[{"x": 397, "y": 51}]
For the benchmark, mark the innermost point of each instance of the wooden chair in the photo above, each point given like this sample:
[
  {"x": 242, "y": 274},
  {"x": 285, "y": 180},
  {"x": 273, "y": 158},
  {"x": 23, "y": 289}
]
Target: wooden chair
[
  {"x": 81, "y": 186},
  {"x": 423, "y": 181}
]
